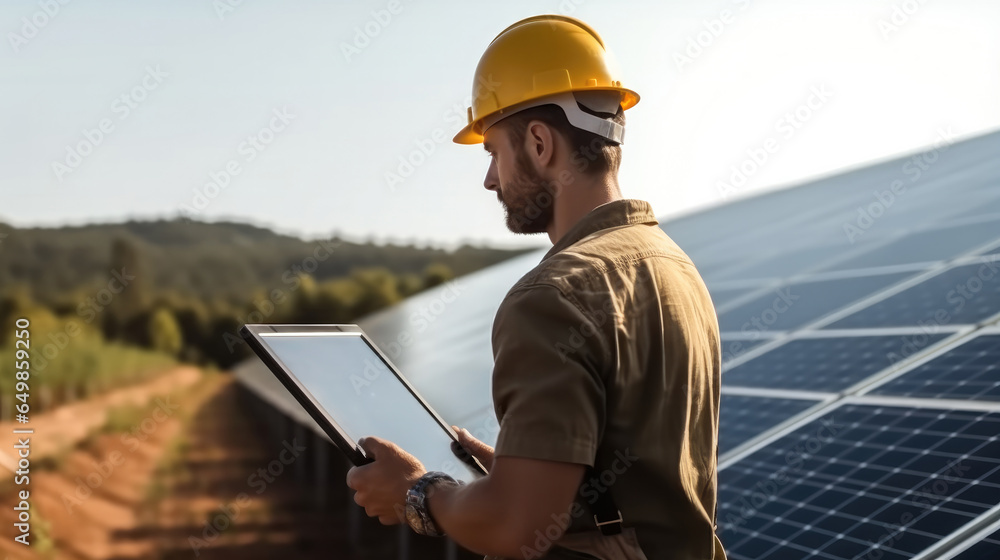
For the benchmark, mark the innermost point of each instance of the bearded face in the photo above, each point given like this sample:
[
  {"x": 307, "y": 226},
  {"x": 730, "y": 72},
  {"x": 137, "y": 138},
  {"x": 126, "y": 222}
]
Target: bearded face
[{"x": 527, "y": 198}]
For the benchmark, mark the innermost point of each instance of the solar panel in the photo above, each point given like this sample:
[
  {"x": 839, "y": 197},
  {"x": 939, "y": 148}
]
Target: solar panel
[
  {"x": 984, "y": 208},
  {"x": 440, "y": 338},
  {"x": 829, "y": 364},
  {"x": 787, "y": 263},
  {"x": 862, "y": 481},
  {"x": 734, "y": 348},
  {"x": 925, "y": 246},
  {"x": 707, "y": 266},
  {"x": 722, "y": 296},
  {"x": 743, "y": 417},
  {"x": 968, "y": 371},
  {"x": 794, "y": 305},
  {"x": 965, "y": 294}
]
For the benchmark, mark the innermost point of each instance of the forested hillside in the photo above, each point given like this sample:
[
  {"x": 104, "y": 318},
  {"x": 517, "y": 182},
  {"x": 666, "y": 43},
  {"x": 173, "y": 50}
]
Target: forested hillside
[
  {"x": 183, "y": 288},
  {"x": 208, "y": 260}
]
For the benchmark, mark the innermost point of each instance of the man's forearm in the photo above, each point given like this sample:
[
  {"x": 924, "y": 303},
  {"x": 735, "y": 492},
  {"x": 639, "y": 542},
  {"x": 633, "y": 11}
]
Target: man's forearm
[{"x": 477, "y": 517}]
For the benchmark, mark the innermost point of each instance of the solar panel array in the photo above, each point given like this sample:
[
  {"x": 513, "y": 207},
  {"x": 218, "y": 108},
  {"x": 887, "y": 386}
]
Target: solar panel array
[
  {"x": 860, "y": 318},
  {"x": 862, "y": 481},
  {"x": 894, "y": 328}
]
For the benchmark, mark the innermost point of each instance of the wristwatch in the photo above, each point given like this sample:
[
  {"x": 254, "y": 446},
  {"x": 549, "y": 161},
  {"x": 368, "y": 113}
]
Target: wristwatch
[{"x": 418, "y": 515}]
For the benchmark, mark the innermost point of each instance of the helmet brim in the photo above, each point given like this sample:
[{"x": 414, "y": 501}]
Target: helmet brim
[{"x": 469, "y": 135}]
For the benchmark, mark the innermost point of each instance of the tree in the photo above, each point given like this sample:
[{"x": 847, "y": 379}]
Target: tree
[
  {"x": 333, "y": 302},
  {"x": 194, "y": 322},
  {"x": 224, "y": 346},
  {"x": 164, "y": 332},
  {"x": 12, "y": 306},
  {"x": 379, "y": 288},
  {"x": 410, "y": 284},
  {"x": 129, "y": 277},
  {"x": 436, "y": 274}
]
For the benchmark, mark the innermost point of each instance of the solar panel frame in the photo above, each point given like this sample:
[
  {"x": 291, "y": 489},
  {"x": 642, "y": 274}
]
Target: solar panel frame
[
  {"x": 959, "y": 544},
  {"x": 724, "y": 296},
  {"x": 902, "y": 286},
  {"x": 939, "y": 209},
  {"x": 757, "y": 287},
  {"x": 812, "y": 308},
  {"x": 779, "y": 340},
  {"x": 847, "y": 399},
  {"x": 750, "y": 295},
  {"x": 959, "y": 341},
  {"x": 835, "y": 320},
  {"x": 736, "y": 346},
  {"x": 740, "y": 425},
  {"x": 989, "y": 251},
  {"x": 944, "y": 334},
  {"x": 958, "y": 228},
  {"x": 985, "y": 207},
  {"x": 754, "y": 268},
  {"x": 815, "y": 401},
  {"x": 977, "y": 546}
]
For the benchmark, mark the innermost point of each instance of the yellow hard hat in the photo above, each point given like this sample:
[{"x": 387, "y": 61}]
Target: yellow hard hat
[{"x": 541, "y": 60}]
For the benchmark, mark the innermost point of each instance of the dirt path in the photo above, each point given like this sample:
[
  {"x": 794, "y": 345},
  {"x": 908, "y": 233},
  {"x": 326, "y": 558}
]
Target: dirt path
[
  {"x": 185, "y": 491},
  {"x": 68, "y": 425},
  {"x": 216, "y": 506},
  {"x": 93, "y": 487}
]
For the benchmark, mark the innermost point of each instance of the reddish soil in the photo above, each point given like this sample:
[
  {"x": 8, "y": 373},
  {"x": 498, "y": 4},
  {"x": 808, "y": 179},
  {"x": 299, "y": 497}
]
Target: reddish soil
[
  {"x": 68, "y": 425},
  {"x": 160, "y": 498}
]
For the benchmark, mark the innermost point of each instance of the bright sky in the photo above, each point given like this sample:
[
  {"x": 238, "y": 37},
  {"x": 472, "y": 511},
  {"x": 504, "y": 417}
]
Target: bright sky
[{"x": 330, "y": 110}]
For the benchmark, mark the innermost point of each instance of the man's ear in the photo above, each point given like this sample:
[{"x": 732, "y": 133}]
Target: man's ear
[{"x": 541, "y": 143}]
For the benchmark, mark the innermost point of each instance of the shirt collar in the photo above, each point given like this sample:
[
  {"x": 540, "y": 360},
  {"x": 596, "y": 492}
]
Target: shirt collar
[{"x": 622, "y": 212}]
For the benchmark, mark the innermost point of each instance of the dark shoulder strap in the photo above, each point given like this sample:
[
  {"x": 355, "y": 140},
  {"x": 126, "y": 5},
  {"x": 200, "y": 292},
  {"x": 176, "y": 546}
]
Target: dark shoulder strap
[{"x": 607, "y": 516}]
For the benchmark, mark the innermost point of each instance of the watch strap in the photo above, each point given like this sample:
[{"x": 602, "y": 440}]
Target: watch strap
[{"x": 416, "y": 501}]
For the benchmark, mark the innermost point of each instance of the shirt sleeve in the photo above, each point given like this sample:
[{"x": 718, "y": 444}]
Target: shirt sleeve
[{"x": 548, "y": 391}]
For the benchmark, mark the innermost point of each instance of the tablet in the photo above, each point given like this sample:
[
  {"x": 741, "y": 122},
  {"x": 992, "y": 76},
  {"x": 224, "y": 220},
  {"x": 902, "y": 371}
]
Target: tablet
[{"x": 352, "y": 390}]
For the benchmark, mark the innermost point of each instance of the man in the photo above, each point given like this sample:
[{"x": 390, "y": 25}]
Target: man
[{"x": 607, "y": 360}]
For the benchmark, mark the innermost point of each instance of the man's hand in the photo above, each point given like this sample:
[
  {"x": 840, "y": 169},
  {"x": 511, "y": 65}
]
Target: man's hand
[
  {"x": 478, "y": 449},
  {"x": 381, "y": 485}
]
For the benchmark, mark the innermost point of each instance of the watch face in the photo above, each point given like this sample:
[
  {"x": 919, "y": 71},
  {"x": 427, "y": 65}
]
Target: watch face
[{"x": 413, "y": 518}]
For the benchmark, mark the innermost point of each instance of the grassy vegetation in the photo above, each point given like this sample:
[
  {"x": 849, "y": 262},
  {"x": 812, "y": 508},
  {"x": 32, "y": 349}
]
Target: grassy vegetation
[
  {"x": 44, "y": 545},
  {"x": 70, "y": 361}
]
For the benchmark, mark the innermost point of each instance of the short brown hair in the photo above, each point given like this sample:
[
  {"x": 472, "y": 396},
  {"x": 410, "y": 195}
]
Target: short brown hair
[{"x": 591, "y": 154}]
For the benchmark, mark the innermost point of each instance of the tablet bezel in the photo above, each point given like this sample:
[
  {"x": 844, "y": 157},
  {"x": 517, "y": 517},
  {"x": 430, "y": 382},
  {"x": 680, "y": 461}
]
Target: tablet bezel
[{"x": 253, "y": 332}]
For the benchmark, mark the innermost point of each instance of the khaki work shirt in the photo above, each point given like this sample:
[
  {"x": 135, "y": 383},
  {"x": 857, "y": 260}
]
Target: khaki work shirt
[{"x": 607, "y": 354}]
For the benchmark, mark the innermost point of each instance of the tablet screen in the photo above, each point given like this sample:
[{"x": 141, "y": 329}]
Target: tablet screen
[{"x": 364, "y": 397}]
